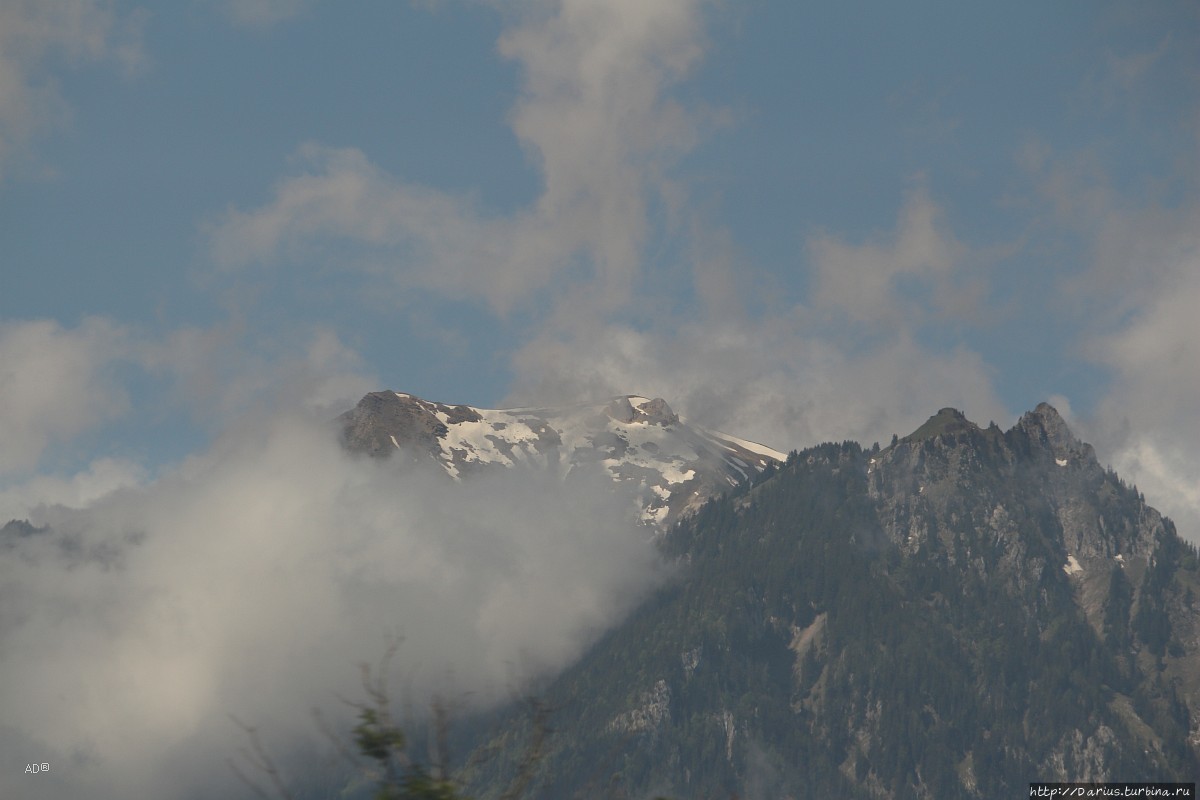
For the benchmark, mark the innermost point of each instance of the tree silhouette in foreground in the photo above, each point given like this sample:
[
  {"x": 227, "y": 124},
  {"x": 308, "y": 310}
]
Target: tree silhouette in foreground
[{"x": 379, "y": 750}]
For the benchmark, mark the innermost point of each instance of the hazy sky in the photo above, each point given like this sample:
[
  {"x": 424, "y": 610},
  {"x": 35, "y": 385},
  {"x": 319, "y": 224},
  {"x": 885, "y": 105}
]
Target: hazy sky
[{"x": 221, "y": 220}]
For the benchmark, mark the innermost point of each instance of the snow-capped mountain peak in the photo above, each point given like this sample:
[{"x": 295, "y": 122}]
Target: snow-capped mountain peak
[{"x": 671, "y": 465}]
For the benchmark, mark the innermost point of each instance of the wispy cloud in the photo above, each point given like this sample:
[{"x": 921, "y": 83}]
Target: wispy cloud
[
  {"x": 597, "y": 123},
  {"x": 222, "y": 373},
  {"x": 100, "y": 478},
  {"x": 1149, "y": 418},
  {"x": 846, "y": 364},
  {"x": 866, "y": 281},
  {"x": 33, "y": 36},
  {"x": 772, "y": 381},
  {"x": 1131, "y": 296},
  {"x": 598, "y": 120},
  {"x": 56, "y": 383}
]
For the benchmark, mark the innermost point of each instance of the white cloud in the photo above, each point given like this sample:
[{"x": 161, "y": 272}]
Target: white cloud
[
  {"x": 437, "y": 241},
  {"x": 594, "y": 117},
  {"x": 1149, "y": 418},
  {"x": 595, "y": 113},
  {"x": 56, "y": 383},
  {"x": 253, "y": 578},
  {"x": 101, "y": 477},
  {"x": 789, "y": 377},
  {"x": 770, "y": 381},
  {"x": 219, "y": 374},
  {"x": 865, "y": 281},
  {"x": 33, "y": 35},
  {"x": 1133, "y": 298}
]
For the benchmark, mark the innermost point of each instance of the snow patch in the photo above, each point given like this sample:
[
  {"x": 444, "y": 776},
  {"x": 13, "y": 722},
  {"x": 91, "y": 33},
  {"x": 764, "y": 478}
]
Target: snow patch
[
  {"x": 745, "y": 444},
  {"x": 1062, "y": 462},
  {"x": 656, "y": 515},
  {"x": 672, "y": 474},
  {"x": 1072, "y": 566}
]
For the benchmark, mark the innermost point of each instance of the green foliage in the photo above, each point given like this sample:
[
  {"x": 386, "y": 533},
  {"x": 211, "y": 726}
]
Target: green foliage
[
  {"x": 1116, "y": 610},
  {"x": 418, "y": 785},
  {"x": 377, "y": 739},
  {"x": 389, "y": 773},
  {"x": 1152, "y": 623}
]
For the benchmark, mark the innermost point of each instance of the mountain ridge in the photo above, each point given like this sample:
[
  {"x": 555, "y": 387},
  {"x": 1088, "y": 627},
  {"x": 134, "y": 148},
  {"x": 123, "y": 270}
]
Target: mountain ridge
[
  {"x": 670, "y": 465},
  {"x": 956, "y": 615}
]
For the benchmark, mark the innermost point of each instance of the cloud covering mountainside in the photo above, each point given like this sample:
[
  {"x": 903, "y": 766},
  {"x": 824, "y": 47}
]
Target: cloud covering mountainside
[{"x": 254, "y": 578}]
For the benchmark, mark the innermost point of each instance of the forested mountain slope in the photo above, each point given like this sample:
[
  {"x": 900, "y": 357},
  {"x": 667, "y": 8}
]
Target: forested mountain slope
[{"x": 955, "y": 615}]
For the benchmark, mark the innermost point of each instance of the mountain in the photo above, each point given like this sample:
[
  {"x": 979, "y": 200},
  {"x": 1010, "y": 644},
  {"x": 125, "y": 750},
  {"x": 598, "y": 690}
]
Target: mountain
[
  {"x": 671, "y": 466},
  {"x": 953, "y": 616}
]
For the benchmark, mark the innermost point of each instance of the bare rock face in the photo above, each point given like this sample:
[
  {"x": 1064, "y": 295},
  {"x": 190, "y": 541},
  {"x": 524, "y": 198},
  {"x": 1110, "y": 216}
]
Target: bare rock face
[
  {"x": 671, "y": 466},
  {"x": 937, "y": 481},
  {"x": 1033, "y": 503},
  {"x": 1048, "y": 435},
  {"x": 657, "y": 412},
  {"x": 384, "y": 422},
  {"x": 621, "y": 410}
]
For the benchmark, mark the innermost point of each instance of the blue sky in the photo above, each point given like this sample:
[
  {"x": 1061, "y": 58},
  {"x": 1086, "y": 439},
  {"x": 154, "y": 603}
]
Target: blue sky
[
  {"x": 223, "y": 221},
  {"x": 794, "y": 221}
]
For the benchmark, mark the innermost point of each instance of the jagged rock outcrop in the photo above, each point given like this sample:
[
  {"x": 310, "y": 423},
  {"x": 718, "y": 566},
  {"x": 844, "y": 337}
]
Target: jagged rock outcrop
[{"x": 1053, "y": 503}]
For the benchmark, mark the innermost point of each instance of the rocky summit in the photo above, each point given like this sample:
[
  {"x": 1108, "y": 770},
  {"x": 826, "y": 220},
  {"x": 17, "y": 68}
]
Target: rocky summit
[{"x": 671, "y": 466}]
